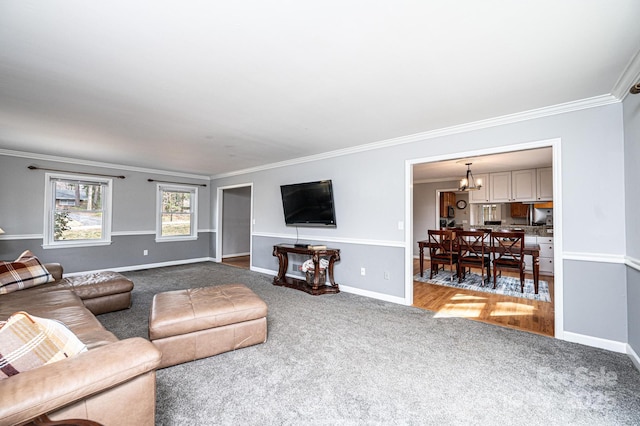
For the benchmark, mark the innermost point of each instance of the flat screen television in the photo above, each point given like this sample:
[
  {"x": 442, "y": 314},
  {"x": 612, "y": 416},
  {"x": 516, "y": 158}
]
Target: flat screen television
[{"x": 309, "y": 204}]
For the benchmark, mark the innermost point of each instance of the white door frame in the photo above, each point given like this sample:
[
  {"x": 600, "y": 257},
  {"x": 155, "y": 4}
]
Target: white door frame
[
  {"x": 219, "y": 202},
  {"x": 555, "y": 145}
]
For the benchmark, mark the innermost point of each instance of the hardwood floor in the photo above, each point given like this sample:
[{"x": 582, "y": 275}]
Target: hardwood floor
[
  {"x": 513, "y": 312},
  {"x": 243, "y": 262}
]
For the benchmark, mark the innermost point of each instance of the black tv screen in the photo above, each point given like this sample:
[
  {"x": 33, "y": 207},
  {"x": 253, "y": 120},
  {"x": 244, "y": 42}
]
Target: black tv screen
[{"x": 309, "y": 204}]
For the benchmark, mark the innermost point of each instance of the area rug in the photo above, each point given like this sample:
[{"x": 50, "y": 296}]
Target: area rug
[{"x": 508, "y": 286}]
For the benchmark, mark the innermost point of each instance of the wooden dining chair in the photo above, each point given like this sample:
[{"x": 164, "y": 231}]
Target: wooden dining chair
[
  {"x": 473, "y": 252},
  {"x": 441, "y": 250},
  {"x": 508, "y": 254}
]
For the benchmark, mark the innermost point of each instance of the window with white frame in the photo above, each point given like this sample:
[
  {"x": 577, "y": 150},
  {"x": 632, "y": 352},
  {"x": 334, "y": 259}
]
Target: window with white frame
[
  {"x": 177, "y": 208},
  {"x": 77, "y": 211}
]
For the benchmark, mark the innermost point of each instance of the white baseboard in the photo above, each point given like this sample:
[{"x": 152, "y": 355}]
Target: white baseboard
[
  {"x": 347, "y": 289},
  {"x": 373, "y": 295},
  {"x": 145, "y": 266},
  {"x": 596, "y": 342},
  {"x": 634, "y": 356},
  {"x": 263, "y": 270},
  {"x": 226, "y": 256}
]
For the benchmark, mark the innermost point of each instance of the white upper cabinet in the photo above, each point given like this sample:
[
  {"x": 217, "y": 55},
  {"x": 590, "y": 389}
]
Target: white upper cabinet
[
  {"x": 518, "y": 185},
  {"x": 482, "y": 194},
  {"x": 523, "y": 185},
  {"x": 544, "y": 184},
  {"x": 500, "y": 187}
]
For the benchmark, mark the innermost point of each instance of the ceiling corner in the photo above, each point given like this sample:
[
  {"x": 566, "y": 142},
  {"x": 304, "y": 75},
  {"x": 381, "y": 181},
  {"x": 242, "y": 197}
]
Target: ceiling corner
[{"x": 628, "y": 78}]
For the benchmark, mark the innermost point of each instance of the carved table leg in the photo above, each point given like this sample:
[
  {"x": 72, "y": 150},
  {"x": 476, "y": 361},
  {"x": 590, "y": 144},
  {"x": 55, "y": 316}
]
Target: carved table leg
[
  {"x": 333, "y": 259},
  {"x": 536, "y": 273},
  {"x": 421, "y": 259},
  {"x": 283, "y": 264},
  {"x": 316, "y": 271}
]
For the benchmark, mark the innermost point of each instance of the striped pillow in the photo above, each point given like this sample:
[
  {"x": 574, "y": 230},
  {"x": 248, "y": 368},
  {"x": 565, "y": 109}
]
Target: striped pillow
[
  {"x": 28, "y": 342},
  {"x": 25, "y": 272}
]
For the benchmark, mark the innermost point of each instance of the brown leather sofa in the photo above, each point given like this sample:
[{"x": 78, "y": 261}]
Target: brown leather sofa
[{"x": 113, "y": 383}]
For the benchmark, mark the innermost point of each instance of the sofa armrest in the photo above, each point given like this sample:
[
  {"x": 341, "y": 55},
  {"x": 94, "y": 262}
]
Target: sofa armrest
[
  {"x": 44, "y": 389},
  {"x": 54, "y": 269}
]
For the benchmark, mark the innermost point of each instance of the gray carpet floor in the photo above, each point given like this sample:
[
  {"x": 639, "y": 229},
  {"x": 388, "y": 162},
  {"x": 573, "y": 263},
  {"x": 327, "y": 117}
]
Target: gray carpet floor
[{"x": 350, "y": 360}]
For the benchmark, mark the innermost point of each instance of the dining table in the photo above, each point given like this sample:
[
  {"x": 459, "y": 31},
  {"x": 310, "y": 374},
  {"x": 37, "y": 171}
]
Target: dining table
[{"x": 532, "y": 250}]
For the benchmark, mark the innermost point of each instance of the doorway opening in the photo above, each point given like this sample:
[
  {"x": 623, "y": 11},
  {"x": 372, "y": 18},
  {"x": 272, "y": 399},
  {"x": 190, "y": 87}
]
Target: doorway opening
[
  {"x": 424, "y": 213},
  {"x": 235, "y": 225}
]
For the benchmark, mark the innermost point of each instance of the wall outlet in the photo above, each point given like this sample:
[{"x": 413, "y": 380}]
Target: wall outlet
[
  {"x": 363, "y": 272},
  {"x": 145, "y": 253},
  {"x": 386, "y": 275},
  {"x": 295, "y": 267}
]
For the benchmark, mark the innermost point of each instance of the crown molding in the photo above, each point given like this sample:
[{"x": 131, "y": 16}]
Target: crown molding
[
  {"x": 587, "y": 103},
  {"x": 68, "y": 160},
  {"x": 629, "y": 77},
  {"x": 578, "y": 105}
]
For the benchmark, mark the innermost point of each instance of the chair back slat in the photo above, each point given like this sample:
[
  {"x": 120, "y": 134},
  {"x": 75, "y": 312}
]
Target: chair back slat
[
  {"x": 472, "y": 243},
  {"x": 508, "y": 254},
  {"x": 508, "y": 245},
  {"x": 441, "y": 251},
  {"x": 441, "y": 241}
]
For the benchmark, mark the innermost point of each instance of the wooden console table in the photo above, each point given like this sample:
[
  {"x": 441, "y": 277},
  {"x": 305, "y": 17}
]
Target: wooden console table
[{"x": 282, "y": 252}]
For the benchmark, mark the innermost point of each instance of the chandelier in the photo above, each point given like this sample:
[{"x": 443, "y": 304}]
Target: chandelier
[{"x": 469, "y": 183}]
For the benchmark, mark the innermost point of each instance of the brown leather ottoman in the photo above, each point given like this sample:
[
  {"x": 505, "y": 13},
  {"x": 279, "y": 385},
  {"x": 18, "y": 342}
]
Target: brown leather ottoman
[
  {"x": 200, "y": 322},
  {"x": 101, "y": 292}
]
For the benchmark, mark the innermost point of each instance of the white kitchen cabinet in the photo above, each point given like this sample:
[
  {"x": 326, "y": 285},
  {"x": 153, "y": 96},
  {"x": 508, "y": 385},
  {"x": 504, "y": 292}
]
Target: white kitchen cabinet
[
  {"x": 546, "y": 255},
  {"x": 518, "y": 185},
  {"x": 482, "y": 194},
  {"x": 546, "y": 265},
  {"x": 500, "y": 187},
  {"x": 523, "y": 185},
  {"x": 544, "y": 184},
  {"x": 527, "y": 185},
  {"x": 545, "y": 260}
]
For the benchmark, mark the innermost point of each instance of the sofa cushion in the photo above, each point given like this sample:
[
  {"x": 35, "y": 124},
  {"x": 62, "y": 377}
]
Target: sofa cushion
[
  {"x": 61, "y": 305},
  {"x": 99, "y": 284},
  {"x": 28, "y": 342},
  {"x": 25, "y": 272}
]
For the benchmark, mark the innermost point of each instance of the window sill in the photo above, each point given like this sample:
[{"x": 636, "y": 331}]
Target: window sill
[
  {"x": 76, "y": 244},
  {"x": 170, "y": 239}
]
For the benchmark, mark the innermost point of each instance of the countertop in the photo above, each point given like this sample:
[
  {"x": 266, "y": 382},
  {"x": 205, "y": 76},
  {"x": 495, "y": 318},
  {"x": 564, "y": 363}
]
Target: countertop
[{"x": 541, "y": 230}]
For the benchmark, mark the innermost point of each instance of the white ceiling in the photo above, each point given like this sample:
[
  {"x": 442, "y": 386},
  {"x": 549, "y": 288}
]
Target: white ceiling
[
  {"x": 210, "y": 87},
  {"x": 456, "y": 169}
]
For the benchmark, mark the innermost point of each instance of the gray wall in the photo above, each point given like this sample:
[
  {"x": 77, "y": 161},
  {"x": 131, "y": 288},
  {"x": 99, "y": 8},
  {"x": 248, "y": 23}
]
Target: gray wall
[
  {"x": 370, "y": 201},
  {"x": 236, "y": 221},
  {"x": 133, "y": 222},
  {"x": 631, "y": 107},
  {"x": 424, "y": 209}
]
